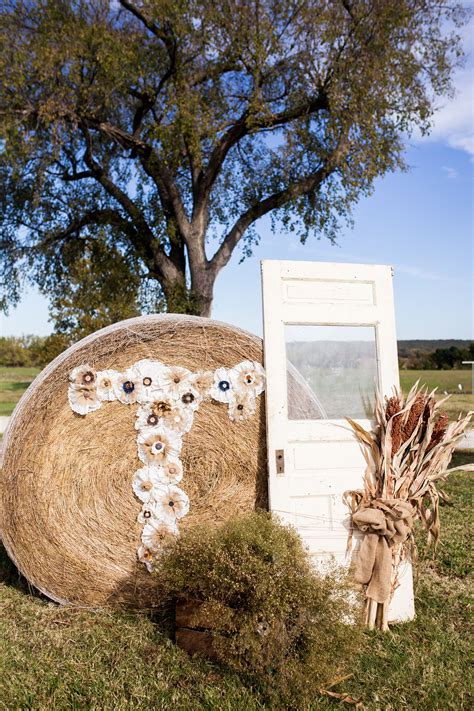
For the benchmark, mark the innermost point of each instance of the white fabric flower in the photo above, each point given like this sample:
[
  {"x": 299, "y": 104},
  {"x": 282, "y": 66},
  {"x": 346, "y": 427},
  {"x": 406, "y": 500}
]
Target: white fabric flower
[
  {"x": 242, "y": 406},
  {"x": 145, "y": 556},
  {"x": 146, "y": 418},
  {"x": 105, "y": 384},
  {"x": 148, "y": 512},
  {"x": 158, "y": 534},
  {"x": 202, "y": 381},
  {"x": 190, "y": 399},
  {"x": 221, "y": 389},
  {"x": 170, "y": 503},
  {"x": 172, "y": 470},
  {"x": 178, "y": 419},
  {"x": 145, "y": 483},
  {"x": 125, "y": 387},
  {"x": 175, "y": 380},
  {"x": 83, "y": 400},
  {"x": 248, "y": 376},
  {"x": 83, "y": 376},
  {"x": 157, "y": 444},
  {"x": 148, "y": 375}
]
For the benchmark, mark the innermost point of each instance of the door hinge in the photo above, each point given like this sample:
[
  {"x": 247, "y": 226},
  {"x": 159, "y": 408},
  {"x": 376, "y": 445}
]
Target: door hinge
[{"x": 280, "y": 461}]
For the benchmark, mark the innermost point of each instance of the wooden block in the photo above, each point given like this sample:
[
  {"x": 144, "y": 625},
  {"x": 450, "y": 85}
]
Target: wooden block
[
  {"x": 195, "y": 615},
  {"x": 196, "y": 642}
]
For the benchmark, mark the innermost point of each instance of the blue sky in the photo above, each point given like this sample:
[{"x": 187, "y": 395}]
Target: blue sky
[{"x": 421, "y": 222}]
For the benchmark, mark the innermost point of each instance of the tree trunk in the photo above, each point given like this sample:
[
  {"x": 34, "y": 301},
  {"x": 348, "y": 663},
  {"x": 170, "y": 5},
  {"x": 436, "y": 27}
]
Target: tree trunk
[
  {"x": 197, "y": 300},
  {"x": 202, "y": 292}
]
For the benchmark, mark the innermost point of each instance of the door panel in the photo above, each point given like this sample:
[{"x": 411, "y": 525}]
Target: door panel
[{"x": 329, "y": 342}]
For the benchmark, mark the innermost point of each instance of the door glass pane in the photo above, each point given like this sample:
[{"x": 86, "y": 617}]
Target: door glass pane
[{"x": 332, "y": 371}]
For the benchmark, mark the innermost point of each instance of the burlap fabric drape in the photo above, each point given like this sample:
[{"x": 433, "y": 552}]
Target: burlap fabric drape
[{"x": 385, "y": 523}]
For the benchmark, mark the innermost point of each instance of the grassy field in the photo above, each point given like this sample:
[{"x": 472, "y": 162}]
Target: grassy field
[
  {"x": 64, "y": 658},
  {"x": 445, "y": 381},
  {"x": 13, "y": 383}
]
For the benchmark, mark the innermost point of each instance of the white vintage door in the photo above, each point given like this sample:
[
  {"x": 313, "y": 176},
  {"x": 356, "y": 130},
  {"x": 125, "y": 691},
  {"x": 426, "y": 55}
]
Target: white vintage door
[{"x": 329, "y": 335}]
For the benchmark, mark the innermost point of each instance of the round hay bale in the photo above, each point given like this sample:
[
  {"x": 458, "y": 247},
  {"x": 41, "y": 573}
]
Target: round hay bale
[{"x": 68, "y": 511}]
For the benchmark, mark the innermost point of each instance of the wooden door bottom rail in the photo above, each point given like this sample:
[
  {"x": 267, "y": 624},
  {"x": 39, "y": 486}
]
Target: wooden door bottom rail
[{"x": 194, "y": 626}]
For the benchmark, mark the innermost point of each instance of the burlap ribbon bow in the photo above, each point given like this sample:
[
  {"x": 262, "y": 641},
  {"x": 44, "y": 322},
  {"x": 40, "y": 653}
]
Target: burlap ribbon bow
[{"x": 385, "y": 523}]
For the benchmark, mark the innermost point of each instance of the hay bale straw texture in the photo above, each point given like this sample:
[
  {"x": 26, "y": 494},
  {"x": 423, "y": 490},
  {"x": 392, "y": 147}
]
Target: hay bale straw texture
[{"x": 68, "y": 512}]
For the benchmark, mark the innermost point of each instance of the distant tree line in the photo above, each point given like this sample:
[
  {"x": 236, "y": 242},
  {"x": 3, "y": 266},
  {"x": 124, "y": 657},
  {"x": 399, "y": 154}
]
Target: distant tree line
[
  {"x": 441, "y": 358},
  {"x": 38, "y": 351},
  {"x": 32, "y": 351}
]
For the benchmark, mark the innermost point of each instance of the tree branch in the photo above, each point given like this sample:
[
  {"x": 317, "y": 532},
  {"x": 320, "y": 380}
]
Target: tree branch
[
  {"x": 300, "y": 187},
  {"x": 276, "y": 200},
  {"x": 162, "y": 261},
  {"x": 165, "y": 34},
  {"x": 241, "y": 129},
  {"x": 105, "y": 216},
  {"x": 161, "y": 176}
]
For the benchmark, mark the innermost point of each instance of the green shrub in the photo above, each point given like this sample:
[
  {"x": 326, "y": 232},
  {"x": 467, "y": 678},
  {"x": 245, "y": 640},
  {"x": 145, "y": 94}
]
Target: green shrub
[{"x": 275, "y": 621}]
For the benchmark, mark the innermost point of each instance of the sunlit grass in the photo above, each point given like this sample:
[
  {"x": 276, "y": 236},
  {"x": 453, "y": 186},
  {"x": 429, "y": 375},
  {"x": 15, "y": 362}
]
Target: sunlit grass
[{"x": 53, "y": 657}]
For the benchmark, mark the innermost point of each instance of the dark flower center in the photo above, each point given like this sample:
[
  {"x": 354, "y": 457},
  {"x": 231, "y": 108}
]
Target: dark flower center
[
  {"x": 187, "y": 398},
  {"x": 158, "y": 446},
  {"x": 160, "y": 407},
  {"x": 248, "y": 379},
  {"x": 152, "y": 420},
  {"x": 128, "y": 387},
  {"x": 224, "y": 385},
  {"x": 88, "y": 378},
  {"x": 147, "y": 514},
  {"x": 177, "y": 379},
  {"x": 147, "y": 381},
  {"x": 240, "y": 406},
  {"x": 171, "y": 503}
]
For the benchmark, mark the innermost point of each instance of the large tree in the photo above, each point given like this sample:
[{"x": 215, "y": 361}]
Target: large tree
[{"x": 164, "y": 129}]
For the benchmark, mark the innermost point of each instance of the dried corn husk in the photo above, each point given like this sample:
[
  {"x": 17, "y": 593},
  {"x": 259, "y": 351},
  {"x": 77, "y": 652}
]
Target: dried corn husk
[{"x": 408, "y": 454}]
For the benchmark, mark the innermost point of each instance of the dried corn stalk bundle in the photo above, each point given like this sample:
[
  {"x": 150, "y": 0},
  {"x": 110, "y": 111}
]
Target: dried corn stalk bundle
[{"x": 408, "y": 454}]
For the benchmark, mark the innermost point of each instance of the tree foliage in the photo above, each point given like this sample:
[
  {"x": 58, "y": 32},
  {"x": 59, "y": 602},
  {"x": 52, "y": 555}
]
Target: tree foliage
[{"x": 155, "y": 133}]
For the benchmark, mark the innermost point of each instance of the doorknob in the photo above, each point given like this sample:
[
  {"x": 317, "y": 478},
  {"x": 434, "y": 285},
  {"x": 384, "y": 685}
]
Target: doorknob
[{"x": 280, "y": 461}]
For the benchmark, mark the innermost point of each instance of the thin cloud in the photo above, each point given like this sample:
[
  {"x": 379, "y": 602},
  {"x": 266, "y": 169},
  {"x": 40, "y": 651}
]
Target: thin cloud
[
  {"x": 453, "y": 122},
  {"x": 451, "y": 173},
  {"x": 418, "y": 273}
]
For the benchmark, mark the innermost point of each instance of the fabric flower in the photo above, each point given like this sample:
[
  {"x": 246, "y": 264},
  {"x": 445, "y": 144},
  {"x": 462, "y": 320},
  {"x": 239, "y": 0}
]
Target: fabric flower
[
  {"x": 248, "y": 376},
  {"x": 175, "y": 380},
  {"x": 145, "y": 482},
  {"x": 125, "y": 387},
  {"x": 221, "y": 389},
  {"x": 190, "y": 399},
  {"x": 83, "y": 400},
  {"x": 148, "y": 375},
  {"x": 159, "y": 533},
  {"x": 178, "y": 419},
  {"x": 147, "y": 513},
  {"x": 147, "y": 417},
  {"x": 172, "y": 470},
  {"x": 156, "y": 445},
  {"x": 164, "y": 412},
  {"x": 83, "y": 376},
  {"x": 105, "y": 384},
  {"x": 242, "y": 406},
  {"x": 202, "y": 382},
  {"x": 171, "y": 503},
  {"x": 145, "y": 555}
]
